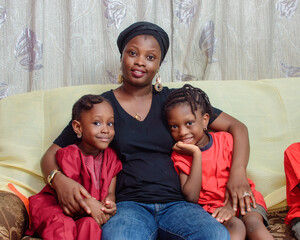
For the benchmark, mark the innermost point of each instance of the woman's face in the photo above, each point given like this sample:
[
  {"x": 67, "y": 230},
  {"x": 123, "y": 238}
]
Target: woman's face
[{"x": 140, "y": 60}]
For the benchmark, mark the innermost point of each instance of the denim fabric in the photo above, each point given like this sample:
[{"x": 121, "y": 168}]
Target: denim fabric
[{"x": 176, "y": 220}]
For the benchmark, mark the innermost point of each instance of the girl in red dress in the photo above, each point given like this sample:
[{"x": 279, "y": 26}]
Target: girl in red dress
[
  {"x": 203, "y": 161},
  {"x": 91, "y": 163},
  {"x": 292, "y": 173}
]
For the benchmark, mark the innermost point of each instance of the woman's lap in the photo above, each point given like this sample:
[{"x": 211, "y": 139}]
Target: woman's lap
[{"x": 177, "y": 220}]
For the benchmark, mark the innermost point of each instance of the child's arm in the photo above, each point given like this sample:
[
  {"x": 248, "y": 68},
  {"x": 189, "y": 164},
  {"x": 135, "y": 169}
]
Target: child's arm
[
  {"x": 237, "y": 183},
  {"x": 109, "y": 207},
  {"x": 191, "y": 184},
  {"x": 103, "y": 211},
  {"x": 96, "y": 212}
]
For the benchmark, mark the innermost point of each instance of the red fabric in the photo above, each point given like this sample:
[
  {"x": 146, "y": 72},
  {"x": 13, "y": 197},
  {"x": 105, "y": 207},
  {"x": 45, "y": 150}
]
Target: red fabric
[
  {"x": 292, "y": 173},
  {"x": 48, "y": 219},
  {"x": 216, "y": 164}
]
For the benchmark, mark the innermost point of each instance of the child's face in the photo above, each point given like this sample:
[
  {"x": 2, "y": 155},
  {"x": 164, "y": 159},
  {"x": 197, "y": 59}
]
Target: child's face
[
  {"x": 141, "y": 60},
  {"x": 187, "y": 127},
  {"x": 97, "y": 128}
]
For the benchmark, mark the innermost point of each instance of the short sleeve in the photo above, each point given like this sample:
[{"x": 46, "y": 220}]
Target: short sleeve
[
  {"x": 216, "y": 112},
  {"x": 182, "y": 163},
  {"x": 68, "y": 159}
]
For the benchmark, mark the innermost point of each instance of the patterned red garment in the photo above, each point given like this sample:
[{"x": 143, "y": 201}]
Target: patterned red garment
[
  {"x": 292, "y": 173},
  {"x": 48, "y": 218},
  {"x": 216, "y": 164}
]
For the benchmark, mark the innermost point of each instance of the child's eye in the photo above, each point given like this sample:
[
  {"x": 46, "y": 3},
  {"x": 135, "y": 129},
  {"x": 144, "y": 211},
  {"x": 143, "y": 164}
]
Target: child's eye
[
  {"x": 173, "y": 126},
  {"x": 110, "y": 124},
  {"x": 97, "y": 123},
  {"x": 151, "y": 57},
  {"x": 189, "y": 123}
]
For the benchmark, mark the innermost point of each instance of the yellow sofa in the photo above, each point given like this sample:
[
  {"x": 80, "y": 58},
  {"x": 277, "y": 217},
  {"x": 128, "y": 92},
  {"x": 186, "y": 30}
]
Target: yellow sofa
[{"x": 270, "y": 108}]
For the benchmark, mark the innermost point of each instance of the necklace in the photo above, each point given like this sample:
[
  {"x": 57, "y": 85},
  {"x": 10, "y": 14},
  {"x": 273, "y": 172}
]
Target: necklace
[{"x": 137, "y": 115}]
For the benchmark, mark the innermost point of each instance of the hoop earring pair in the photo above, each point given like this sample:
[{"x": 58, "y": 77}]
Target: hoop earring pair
[{"x": 158, "y": 86}]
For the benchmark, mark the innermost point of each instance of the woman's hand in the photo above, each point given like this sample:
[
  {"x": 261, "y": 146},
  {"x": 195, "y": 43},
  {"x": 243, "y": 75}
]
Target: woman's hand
[
  {"x": 69, "y": 194},
  {"x": 237, "y": 186},
  {"x": 239, "y": 189}
]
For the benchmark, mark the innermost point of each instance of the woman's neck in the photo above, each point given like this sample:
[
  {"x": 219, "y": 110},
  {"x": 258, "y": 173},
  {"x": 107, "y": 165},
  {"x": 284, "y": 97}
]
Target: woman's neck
[{"x": 136, "y": 92}]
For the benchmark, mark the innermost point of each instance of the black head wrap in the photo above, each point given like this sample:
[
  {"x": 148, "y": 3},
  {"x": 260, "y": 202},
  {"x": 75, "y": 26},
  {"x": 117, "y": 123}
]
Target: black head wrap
[{"x": 144, "y": 28}]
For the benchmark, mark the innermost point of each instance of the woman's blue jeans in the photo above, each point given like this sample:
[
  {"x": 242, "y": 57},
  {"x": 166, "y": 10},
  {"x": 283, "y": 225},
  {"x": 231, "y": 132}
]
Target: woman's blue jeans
[{"x": 175, "y": 220}]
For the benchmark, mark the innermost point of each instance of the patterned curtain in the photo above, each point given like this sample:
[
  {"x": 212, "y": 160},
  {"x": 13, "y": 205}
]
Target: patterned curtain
[{"x": 54, "y": 43}]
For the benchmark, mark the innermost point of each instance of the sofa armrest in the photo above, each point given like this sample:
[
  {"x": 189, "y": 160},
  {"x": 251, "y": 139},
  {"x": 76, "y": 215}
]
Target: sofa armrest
[{"x": 14, "y": 218}]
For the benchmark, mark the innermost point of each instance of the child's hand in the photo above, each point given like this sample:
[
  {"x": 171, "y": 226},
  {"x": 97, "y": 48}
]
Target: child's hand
[
  {"x": 96, "y": 212},
  {"x": 109, "y": 208},
  {"x": 186, "y": 149},
  {"x": 222, "y": 214}
]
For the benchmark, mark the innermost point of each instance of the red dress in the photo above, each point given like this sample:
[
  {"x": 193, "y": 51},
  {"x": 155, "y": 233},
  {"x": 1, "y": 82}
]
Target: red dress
[
  {"x": 216, "y": 164},
  {"x": 292, "y": 173},
  {"x": 47, "y": 217}
]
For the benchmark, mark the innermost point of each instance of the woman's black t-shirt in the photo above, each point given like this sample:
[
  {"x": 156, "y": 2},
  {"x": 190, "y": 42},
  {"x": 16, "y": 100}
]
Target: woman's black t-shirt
[{"x": 144, "y": 147}]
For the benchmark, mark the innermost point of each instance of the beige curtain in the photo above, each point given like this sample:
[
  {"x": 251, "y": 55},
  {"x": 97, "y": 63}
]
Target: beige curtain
[{"x": 47, "y": 44}]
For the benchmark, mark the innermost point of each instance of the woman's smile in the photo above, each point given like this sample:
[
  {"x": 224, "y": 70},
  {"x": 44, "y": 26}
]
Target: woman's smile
[{"x": 137, "y": 73}]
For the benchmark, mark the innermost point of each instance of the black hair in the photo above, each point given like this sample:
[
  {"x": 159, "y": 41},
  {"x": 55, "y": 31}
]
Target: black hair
[
  {"x": 86, "y": 103},
  {"x": 188, "y": 94}
]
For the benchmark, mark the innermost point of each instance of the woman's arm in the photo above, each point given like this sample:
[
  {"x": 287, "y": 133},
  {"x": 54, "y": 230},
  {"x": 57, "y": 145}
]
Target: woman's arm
[
  {"x": 68, "y": 191},
  {"x": 237, "y": 183}
]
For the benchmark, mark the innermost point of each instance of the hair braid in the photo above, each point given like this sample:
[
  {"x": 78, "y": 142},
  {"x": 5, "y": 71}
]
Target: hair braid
[{"x": 195, "y": 97}]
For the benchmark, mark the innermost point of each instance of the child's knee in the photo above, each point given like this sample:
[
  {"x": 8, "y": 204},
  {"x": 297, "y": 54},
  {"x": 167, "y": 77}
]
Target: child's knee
[
  {"x": 236, "y": 228},
  {"x": 253, "y": 221},
  {"x": 88, "y": 228},
  {"x": 87, "y": 223}
]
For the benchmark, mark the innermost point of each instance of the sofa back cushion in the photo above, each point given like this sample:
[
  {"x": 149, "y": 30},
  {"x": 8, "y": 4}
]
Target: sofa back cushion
[{"x": 270, "y": 108}]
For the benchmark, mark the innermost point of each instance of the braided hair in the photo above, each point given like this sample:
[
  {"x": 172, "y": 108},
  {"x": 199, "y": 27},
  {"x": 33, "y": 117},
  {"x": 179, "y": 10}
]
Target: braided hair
[
  {"x": 86, "y": 103},
  {"x": 192, "y": 96}
]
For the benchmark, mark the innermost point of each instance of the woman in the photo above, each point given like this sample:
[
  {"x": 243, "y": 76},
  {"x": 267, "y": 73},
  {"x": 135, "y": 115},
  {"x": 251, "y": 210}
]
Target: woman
[{"x": 149, "y": 200}]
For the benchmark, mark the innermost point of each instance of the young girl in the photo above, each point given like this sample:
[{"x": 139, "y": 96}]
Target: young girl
[
  {"x": 92, "y": 164},
  {"x": 203, "y": 161}
]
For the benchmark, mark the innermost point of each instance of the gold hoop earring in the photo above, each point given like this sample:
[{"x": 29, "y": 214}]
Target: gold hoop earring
[
  {"x": 120, "y": 76},
  {"x": 158, "y": 86},
  {"x": 205, "y": 129},
  {"x": 79, "y": 135}
]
